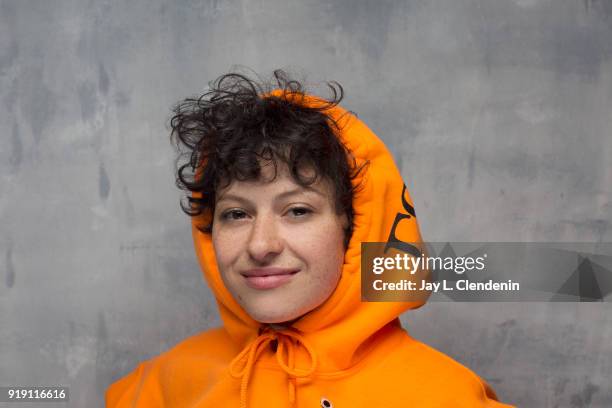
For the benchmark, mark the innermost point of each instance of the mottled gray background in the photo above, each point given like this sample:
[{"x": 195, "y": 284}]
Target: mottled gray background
[{"x": 498, "y": 112}]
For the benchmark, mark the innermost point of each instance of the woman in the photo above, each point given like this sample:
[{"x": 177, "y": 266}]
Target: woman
[{"x": 285, "y": 188}]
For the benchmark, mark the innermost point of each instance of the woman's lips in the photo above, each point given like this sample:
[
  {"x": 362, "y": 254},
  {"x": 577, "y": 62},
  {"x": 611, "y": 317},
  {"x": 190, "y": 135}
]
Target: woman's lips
[{"x": 268, "y": 278}]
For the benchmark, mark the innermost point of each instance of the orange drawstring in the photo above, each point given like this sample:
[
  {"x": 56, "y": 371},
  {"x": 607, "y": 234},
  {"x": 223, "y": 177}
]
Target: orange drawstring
[
  {"x": 292, "y": 380},
  {"x": 248, "y": 356}
]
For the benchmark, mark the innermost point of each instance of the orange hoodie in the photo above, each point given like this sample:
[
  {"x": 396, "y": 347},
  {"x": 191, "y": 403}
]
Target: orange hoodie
[{"x": 345, "y": 353}]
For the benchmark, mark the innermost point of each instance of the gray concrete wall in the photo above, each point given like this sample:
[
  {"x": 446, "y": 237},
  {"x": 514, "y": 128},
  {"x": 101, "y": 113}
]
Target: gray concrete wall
[{"x": 498, "y": 112}]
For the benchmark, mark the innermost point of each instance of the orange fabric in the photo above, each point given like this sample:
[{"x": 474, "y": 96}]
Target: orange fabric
[
  {"x": 252, "y": 351},
  {"x": 351, "y": 353}
]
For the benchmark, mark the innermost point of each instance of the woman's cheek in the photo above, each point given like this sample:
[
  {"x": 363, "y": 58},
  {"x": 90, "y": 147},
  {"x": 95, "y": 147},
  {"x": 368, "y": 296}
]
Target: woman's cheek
[
  {"x": 225, "y": 247},
  {"x": 316, "y": 237}
]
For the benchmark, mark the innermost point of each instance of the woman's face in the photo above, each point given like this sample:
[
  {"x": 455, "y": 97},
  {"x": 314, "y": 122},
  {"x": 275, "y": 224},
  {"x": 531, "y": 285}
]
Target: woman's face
[{"x": 279, "y": 246}]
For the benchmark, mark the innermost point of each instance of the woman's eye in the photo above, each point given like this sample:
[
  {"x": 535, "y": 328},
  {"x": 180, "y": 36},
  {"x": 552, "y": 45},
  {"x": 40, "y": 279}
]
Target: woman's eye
[
  {"x": 299, "y": 211},
  {"x": 233, "y": 215}
]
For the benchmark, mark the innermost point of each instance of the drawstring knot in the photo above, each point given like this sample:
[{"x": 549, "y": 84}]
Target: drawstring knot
[{"x": 287, "y": 341}]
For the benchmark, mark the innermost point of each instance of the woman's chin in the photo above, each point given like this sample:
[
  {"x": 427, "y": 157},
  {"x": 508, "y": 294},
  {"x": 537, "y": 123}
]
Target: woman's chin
[
  {"x": 274, "y": 316},
  {"x": 281, "y": 320}
]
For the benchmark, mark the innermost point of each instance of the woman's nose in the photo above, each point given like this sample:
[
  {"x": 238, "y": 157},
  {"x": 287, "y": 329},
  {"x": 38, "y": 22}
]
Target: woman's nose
[{"x": 265, "y": 243}]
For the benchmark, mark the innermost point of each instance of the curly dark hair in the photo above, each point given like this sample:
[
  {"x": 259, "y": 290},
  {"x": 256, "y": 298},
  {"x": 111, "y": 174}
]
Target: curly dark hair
[{"x": 234, "y": 127}]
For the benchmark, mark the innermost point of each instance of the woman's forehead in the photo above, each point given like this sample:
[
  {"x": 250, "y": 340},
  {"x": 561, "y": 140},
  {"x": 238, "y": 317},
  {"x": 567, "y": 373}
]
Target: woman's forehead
[{"x": 279, "y": 184}]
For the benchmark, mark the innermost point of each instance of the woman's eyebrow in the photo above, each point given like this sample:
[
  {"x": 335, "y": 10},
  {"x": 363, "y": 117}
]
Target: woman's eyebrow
[
  {"x": 281, "y": 196},
  {"x": 230, "y": 196},
  {"x": 299, "y": 190}
]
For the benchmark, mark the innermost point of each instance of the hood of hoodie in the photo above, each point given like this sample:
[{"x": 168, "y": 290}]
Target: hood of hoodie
[{"x": 383, "y": 213}]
